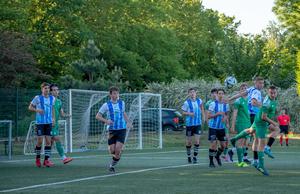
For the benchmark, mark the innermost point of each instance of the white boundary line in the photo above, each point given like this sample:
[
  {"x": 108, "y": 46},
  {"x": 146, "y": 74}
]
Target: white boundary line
[{"x": 97, "y": 177}]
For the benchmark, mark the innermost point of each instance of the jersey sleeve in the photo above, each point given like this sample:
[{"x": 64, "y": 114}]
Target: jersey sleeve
[
  {"x": 35, "y": 101},
  {"x": 265, "y": 105},
  {"x": 104, "y": 108},
  {"x": 185, "y": 107},
  {"x": 211, "y": 107},
  {"x": 227, "y": 108}
]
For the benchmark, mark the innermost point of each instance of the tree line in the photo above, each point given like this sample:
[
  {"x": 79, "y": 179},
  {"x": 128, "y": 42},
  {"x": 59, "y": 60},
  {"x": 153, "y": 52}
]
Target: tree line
[{"x": 92, "y": 44}]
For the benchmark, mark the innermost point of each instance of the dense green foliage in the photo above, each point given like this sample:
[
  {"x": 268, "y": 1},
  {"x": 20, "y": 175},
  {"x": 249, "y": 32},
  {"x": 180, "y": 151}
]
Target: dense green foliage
[{"x": 141, "y": 41}]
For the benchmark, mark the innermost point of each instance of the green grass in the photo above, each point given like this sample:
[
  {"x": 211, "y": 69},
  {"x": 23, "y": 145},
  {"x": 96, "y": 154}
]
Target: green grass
[{"x": 284, "y": 170}]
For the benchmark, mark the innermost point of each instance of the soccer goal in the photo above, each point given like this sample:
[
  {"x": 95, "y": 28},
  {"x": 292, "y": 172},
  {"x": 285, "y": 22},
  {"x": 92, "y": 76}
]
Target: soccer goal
[
  {"x": 6, "y": 139},
  {"x": 84, "y": 132},
  {"x": 30, "y": 143}
]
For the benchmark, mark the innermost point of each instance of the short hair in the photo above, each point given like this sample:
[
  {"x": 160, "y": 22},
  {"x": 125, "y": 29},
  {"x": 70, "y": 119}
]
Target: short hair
[
  {"x": 214, "y": 90},
  {"x": 52, "y": 86},
  {"x": 258, "y": 78},
  {"x": 243, "y": 85},
  {"x": 113, "y": 89},
  {"x": 221, "y": 89},
  {"x": 272, "y": 87},
  {"x": 44, "y": 84},
  {"x": 191, "y": 89},
  {"x": 285, "y": 110}
]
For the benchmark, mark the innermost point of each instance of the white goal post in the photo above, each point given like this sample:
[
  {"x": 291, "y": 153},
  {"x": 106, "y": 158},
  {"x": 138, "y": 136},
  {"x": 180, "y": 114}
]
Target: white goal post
[{"x": 84, "y": 132}]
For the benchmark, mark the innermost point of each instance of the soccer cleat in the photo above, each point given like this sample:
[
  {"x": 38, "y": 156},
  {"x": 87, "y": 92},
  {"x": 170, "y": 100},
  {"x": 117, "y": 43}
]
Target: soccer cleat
[
  {"x": 232, "y": 141},
  {"x": 268, "y": 152},
  {"x": 212, "y": 165},
  {"x": 67, "y": 160},
  {"x": 38, "y": 162},
  {"x": 244, "y": 164},
  {"x": 281, "y": 144},
  {"x": 263, "y": 171},
  {"x": 189, "y": 160},
  {"x": 195, "y": 160},
  {"x": 230, "y": 154},
  {"x": 218, "y": 161},
  {"x": 111, "y": 169},
  {"x": 246, "y": 160},
  {"x": 48, "y": 163}
]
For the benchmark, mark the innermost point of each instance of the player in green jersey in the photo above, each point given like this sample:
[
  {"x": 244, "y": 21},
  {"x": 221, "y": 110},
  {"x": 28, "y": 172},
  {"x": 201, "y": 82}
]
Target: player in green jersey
[
  {"x": 263, "y": 122},
  {"x": 241, "y": 121},
  {"x": 55, "y": 130}
]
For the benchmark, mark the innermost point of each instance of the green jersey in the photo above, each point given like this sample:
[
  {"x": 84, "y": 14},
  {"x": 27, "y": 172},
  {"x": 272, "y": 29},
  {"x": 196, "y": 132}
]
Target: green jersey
[
  {"x": 243, "y": 116},
  {"x": 57, "y": 108},
  {"x": 208, "y": 103},
  {"x": 269, "y": 108}
]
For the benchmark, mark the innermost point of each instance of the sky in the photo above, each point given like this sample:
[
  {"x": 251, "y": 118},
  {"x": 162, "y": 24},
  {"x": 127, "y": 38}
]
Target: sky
[{"x": 254, "y": 15}]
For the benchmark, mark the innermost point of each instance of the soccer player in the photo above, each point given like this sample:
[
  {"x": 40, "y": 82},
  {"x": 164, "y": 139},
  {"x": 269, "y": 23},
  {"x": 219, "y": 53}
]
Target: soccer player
[
  {"x": 117, "y": 122},
  {"x": 193, "y": 109},
  {"x": 284, "y": 122},
  {"x": 218, "y": 113},
  {"x": 240, "y": 121},
  {"x": 43, "y": 106},
  {"x": 254, "y": 104},
  {"x": 55, "y": 130},
  {"x": 262, "y": 122}
]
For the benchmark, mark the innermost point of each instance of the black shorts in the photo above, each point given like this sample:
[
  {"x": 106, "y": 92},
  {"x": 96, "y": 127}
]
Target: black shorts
[
  {"x": 252, "y": 118},
  {"x": 115, "y": 136},
  {"x": 193, "y": 130},
  {"x": 43, "y": 129},
  {"x": 284, "y": 129},
  {"x": 216, "y": 134}
]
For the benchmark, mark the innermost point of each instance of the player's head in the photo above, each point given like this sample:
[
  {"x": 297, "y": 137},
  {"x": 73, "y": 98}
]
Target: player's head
[
  {"x": 259, "y": 83},
  {"x": 45, "y": 88},
  {"x": 114, "y": 93},
  {"x": 284, "y": 111},
  {"x": 220, "y": 93},
  {"x": 272, "y": 92},
  {"x": 213, "y": 93},
  {"x": 192, "y": 93},
  {"x": 54, "y": 90},
  {"x": 243, "y": 87}
]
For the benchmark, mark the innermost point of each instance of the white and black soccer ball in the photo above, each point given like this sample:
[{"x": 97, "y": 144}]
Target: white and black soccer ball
[{"x": 230, "y": 82}]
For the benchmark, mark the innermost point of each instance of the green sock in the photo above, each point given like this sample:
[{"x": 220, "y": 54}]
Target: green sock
[
  {"x": 244, "y": 150},
  {"x": 240, "y": 154},
  {"x": 240, "y": 135},
  {"x": 60, "y": 149},
  {"x": 261, "y": 159},
  {"x": 225, "y": 151}
]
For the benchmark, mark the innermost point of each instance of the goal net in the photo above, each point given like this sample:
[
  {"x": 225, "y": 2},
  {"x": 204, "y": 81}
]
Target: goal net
[{"x": 83, "y": 132}]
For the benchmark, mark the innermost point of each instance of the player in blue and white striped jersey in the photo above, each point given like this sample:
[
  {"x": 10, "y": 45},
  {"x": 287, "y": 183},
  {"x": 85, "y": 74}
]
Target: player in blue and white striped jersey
[
  {"x": 218, "y": 114},
  {"x": 117, "y": 122},
  {"x": 193, "y": 109}
]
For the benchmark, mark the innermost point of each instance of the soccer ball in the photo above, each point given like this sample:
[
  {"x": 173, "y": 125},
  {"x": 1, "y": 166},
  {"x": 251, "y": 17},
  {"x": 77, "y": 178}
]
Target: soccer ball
[{"x": 230, "y": 82}]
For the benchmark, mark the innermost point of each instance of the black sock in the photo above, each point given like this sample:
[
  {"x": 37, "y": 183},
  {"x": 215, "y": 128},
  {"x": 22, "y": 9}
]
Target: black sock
[
  {"x": 246, "y": 152},
  {"x": 219, "y": 152},
  {"x": 196, "y": 149},
  {"x": 38, "y": 152},
  {"x": 211, "y": 154},
  {"x": 270, "y": 141},
  {"x": 188, "y": 150},
  {"x": 47, "y": 152},
  {"x": 114, "y": 161},
  {"x": 255, "y": 155}
]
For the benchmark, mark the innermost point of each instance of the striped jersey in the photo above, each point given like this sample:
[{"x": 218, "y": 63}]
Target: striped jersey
[
  {"x": 216, "y": 122},
  {"x": 45, "y": 104},
  {"x": 115, "y": 112},
  {"x": 195, "y": 107},
  {"x": 254, "y": 93}
]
